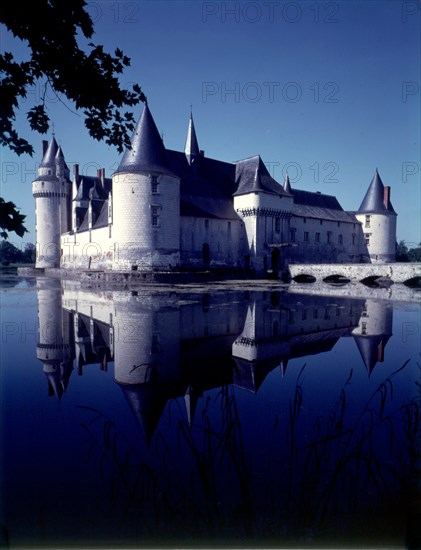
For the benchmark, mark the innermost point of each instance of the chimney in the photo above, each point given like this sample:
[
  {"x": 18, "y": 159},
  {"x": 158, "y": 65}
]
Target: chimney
[
  {"x": 44, "y": 147},
  {"x": 386, "y": 196},
  {"x": 76, "y": 171},
  {"x": 380, "y": 352},
  {"x": 100, "y": 174},
  {"x": 202, "y": 153}
]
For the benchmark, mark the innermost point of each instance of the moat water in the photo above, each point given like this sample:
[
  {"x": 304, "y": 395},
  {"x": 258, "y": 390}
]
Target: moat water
[{"x": 209, "y": 416}]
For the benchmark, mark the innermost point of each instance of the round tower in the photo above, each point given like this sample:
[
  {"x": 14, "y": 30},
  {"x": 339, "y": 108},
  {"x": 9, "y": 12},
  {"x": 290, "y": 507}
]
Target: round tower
[
  {"x": 373, "y": 332},
  {"x": 51, "y": 191},
  {"x": 54, "y": 348},
  {"x": 146, "y": 204},
  {"x": 146, "y": 356},
  {"x": 378, "y": 219}
]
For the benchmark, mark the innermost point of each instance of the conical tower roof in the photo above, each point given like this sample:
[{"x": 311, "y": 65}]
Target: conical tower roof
[
  {"x": 287, "y": 185},
  {"x": 373, "y": 200},
  {"x": 368, "y": 347},
  {"x": 147, "y": 153},
  {"x": 60, "y": 156},
  {"x": 147, "y": 403},
  {"x": 50, "y": 154},
  {"x": 191, "y": 148}
]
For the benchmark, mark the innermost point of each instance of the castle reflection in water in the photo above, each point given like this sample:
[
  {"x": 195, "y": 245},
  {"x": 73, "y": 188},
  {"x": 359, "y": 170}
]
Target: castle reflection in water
[{"x": 165, "y": 345}]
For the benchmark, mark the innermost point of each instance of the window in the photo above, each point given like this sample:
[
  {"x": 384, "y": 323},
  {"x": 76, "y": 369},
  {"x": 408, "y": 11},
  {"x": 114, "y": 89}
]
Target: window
[
  {"x": 329, "y": 237},
  {"x": 353, "y": 238},
  {"x": 155, "y": 215},
  {"x": 340, "y": 239},
  {"x": 304, "y": 220},
  {"x": 363, "y": 328},
  {"x": 367, "y": 238},
  {"x": 306, "y": 237},
  {"x": 206, "y": 224},
  {"x": 315, "y": 313},
  {"x": 339, "y": 224},
  {"x": 317, "y": 237},
  {"x": 292, "y": 235},
  {"x": 304, "y": 315},
  {"x": 154, "y": 184},
  {"x": 229, "y": 227},
  {"x": 277, "y": 225},
  {"x": 321, "y": 222},
  {"x": 367, "y": 221}
]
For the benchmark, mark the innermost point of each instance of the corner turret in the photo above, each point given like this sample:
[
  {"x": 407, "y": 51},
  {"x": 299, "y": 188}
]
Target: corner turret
[
  {"x": 378, "y": 220},
  {"x": 51, "y": 191}
]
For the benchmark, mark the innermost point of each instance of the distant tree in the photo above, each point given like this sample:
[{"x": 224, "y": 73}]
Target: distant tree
[
  {"x": 9, "y": 253},
  {"x": 414, "y": 254},
  {"x": 83, "y": 74},
  {"x": 401, "y": 252},
  {"x": 29, "y": 253}
]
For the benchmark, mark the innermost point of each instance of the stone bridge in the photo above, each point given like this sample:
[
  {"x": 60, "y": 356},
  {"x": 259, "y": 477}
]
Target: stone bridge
[{"x": 395, "y": 272}]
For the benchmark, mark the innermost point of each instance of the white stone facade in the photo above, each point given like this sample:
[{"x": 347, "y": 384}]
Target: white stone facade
[
  {"x": 147, "y": 234},
  {"x": 380, "y": 236},
  {"x": 166, "y": 210}
]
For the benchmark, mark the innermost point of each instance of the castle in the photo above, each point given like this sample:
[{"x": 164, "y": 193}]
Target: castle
[{"x": 166, "y": 210}]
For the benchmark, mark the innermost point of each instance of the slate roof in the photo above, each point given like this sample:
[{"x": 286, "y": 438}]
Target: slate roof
[
  {"x": 373, "y": 201},
  {"x": 317, "y": 205},
  {"x": 147, "y": 152},
  {"x": 99, "y": 214},
  {"x": 49, "y": 159},
  {"x": 102, "y": 219},
  {"x": 251, "y": 175},
  {"x": 206, "y": 186},
  {"x": 91, "y": 187}
]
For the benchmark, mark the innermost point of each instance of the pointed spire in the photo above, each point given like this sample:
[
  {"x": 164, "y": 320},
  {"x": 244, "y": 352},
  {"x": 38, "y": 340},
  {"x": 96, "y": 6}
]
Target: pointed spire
[
  {"x": 287, "y": 185},
  {"x": 373, "y": 202},
  {"x": 191, "y": 148},
  {"x": 190, "y": 399},
  {"x": 59, "y": 154},
  {"x": 147, "y": 152},
  {"x": 50, "y": 155}
]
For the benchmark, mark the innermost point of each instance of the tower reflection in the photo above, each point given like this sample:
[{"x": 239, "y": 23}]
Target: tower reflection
[{"x": 166, "y": 346}]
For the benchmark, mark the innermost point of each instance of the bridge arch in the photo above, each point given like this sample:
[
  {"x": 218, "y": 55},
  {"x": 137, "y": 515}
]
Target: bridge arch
[
  {"x": 304, "y": 278},
  {"x": 414, "y": 282},
  {"x": 337, "y": 279},
  {"x": 376, "y": 281}
]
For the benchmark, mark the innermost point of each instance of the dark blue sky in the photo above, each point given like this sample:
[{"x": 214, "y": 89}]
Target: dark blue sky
[{"x": 326, "y": 90}]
